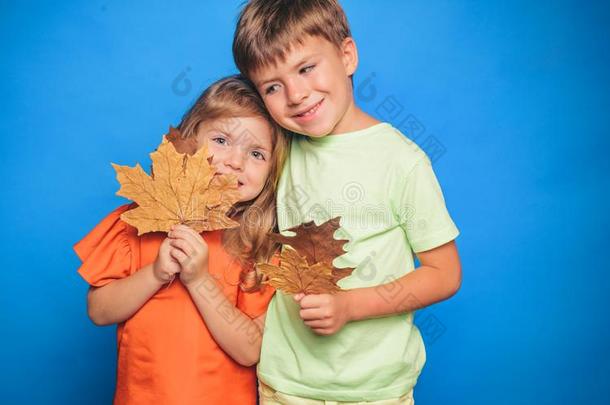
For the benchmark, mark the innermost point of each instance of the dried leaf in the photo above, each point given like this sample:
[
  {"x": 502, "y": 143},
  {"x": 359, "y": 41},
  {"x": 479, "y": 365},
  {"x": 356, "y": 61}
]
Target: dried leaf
[
  {"x": 294, "y": 275},
  {"x": 182, "y": 189},
  {"x": 182, "y": 145},
  {"x": 317, "y": 244},
  {"x": 306, "y": 266}
]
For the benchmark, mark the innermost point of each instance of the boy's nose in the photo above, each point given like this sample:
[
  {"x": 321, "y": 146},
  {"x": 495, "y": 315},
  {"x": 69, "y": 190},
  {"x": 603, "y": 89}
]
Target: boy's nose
[{"x": 296, "y": 92}]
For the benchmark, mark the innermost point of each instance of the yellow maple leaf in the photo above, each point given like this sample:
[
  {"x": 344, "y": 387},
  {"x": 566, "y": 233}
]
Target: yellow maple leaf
[
  {"x": 294, "y": 275},
  {"x": 182, "y": 189}
]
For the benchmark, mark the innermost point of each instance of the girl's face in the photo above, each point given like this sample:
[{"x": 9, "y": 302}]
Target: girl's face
[{"x": 241, "y": 146}]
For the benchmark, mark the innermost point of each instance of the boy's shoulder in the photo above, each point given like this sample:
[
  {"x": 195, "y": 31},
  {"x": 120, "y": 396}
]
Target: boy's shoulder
[
  {"x": 384, "y": 145},
  {"x": 392, "y": 147}
]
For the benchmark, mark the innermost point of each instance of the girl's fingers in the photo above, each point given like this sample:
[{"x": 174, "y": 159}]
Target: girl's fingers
[
  {"x": 183, "y": 245},
  {"x": 184, "y": 232},
  {"x": 178, "y": 255},
  {"x": 189, "y": 230},
  {"x": 180, "y": 233}
]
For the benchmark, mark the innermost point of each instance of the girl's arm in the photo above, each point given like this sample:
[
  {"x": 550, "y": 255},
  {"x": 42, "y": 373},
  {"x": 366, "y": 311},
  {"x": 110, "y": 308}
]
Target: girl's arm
[
  {"x": 121, "y": 299},
  {"x": 235, "y": 332}
]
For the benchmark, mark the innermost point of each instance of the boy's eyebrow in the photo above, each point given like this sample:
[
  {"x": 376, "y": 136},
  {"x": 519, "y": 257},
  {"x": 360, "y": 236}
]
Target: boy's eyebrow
[{"x": 294, "y": 66}]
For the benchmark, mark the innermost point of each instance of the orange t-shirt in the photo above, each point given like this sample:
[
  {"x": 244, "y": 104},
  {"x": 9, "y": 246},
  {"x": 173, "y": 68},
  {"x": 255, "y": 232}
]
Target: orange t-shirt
[{"x": 166, "y": 355}]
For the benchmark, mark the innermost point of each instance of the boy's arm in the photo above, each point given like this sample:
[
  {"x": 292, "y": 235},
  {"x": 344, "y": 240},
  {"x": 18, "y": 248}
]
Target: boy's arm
[
  {"x": 235, "y": 332},
  {"x": 438, "y": 278}
]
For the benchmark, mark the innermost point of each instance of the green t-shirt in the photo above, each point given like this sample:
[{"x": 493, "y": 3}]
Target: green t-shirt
[{"x": 383, "y": 187}]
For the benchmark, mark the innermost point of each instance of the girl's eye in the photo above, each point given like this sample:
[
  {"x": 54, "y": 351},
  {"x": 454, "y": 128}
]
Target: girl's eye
[
  {"x": 219, "y": 140},
  {"x": 257, "y": 155},
  {"x": 271, "y": 89},
  {"x": 307, "y": 69}
]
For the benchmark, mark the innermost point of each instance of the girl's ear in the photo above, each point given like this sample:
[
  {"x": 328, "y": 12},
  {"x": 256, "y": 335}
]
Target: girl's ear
[{"x": 349, "y": 55}]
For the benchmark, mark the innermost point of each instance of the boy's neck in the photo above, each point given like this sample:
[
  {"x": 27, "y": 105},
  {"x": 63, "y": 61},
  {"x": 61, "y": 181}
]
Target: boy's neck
[{"x": 354, "y": 119}]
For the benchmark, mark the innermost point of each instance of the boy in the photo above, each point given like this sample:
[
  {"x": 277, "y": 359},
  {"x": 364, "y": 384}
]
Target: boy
[{"x": 359, "y": 344}]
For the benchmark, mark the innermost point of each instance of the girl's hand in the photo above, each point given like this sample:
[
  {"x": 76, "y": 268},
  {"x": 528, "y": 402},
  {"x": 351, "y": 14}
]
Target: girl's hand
[
  {"x": 190, "y": 250},
  {"x": 325, "y": 314},
  {"x": 165, "y": 266}
]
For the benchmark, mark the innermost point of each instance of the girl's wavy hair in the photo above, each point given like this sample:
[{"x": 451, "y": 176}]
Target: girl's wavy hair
[{"x": 234, "y": 97}]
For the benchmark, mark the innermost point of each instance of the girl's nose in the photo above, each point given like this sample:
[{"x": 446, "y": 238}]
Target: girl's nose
[{"x": 235, "y": 159}]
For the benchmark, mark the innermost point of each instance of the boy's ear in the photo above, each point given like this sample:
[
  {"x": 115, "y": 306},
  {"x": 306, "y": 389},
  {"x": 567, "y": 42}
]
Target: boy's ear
[{"x": 349, "y": 55}]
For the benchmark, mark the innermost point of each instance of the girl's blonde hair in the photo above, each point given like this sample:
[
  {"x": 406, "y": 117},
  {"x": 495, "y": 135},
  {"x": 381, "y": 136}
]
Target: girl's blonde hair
[{"x": 233, "y": 97}]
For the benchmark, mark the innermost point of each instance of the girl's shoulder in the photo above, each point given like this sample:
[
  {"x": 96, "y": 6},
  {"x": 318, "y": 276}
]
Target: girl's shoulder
[{"x": 106, "y": 251}]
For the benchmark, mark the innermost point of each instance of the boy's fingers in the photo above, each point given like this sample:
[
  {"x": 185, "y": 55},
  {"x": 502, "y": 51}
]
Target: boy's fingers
[
  {"x": 322, "y": 331},
  {"x": 318, "y": 323},
  {"x": 311, "y": 314},
  {"x": 298, "y": 297},
  {"x": 312, "y": 301}
]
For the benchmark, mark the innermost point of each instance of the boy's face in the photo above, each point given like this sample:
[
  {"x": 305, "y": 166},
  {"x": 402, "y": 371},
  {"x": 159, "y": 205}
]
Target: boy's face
[
  {"x": 240, "y": 146},
  {"x": 310, "y": 92}
]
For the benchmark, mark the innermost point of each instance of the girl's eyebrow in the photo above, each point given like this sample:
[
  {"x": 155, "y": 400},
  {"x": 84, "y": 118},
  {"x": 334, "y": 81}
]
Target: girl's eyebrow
[
  {"x": 218, "y": 128},
  {"x": 257, "y": 146},
  {"x": 242, "y": 139}
]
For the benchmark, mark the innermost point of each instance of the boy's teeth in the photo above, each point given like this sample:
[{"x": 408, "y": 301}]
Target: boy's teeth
[{"x": 310, "y": 111}]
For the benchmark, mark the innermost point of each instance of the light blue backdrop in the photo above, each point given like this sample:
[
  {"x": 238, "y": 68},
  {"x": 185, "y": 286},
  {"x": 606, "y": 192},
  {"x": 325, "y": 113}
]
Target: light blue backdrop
[{"x": 512, "y": 96}]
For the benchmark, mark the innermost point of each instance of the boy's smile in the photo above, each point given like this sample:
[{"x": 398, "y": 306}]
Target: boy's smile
[
  {"x": 310, "y": 92},
  {"x": 308, "y": 113}
]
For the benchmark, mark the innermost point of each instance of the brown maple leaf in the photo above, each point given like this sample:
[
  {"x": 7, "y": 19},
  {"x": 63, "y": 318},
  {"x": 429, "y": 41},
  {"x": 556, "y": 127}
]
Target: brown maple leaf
[
  {"x": 310, "y": 256},
  {"x": 317, "y": 244},
  {"x": 182, "y": 189},
  {"x": 182, "y": 145},
  {"x": 294, "y": 275}
]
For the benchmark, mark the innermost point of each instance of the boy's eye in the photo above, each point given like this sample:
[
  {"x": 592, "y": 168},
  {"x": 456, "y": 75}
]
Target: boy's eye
[
  {"x": 271, "y": 89},
  {"x": 307, "y": 69}
]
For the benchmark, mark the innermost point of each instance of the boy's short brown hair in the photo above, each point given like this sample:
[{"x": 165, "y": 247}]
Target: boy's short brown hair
[{"x": 267, "y": 29}]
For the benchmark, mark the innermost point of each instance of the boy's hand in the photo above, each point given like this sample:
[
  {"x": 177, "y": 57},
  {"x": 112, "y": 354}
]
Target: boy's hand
[
  {"x": 325, "y": 314},
  {"x": 190, "y": 250},
  {"x": 165, "y": 266}
]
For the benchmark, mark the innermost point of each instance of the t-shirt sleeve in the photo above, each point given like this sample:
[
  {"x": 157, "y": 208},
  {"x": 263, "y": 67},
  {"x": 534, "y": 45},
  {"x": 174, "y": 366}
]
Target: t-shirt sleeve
[
  {"x": 420, "y": 208},
  {"x": 255, "y": 303},
  {"x": 105, "y": 251}
]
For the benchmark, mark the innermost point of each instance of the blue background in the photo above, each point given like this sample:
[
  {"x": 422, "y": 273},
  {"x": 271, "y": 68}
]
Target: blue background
[{"x": 512, "y": 96}]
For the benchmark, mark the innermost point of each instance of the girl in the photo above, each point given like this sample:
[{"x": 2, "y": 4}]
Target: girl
[{"x": 194, "y": 341}]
